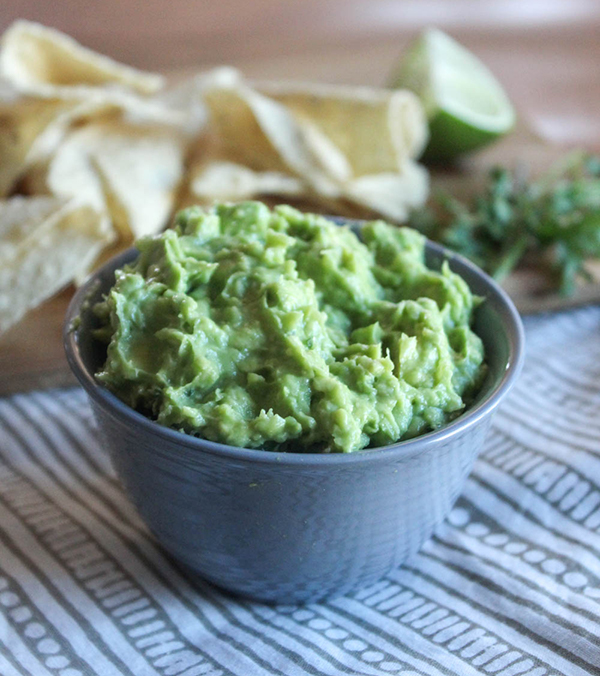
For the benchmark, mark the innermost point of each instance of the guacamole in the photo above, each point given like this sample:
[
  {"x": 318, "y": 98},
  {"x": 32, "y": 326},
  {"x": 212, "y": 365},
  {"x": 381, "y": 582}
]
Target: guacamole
[{"x": 282, "y": 331}]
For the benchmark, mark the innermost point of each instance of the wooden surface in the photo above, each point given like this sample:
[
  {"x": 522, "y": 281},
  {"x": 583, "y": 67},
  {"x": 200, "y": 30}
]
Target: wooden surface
[
  {"x": 31, "y": 352},
  {"x": 546, "y": 54}
]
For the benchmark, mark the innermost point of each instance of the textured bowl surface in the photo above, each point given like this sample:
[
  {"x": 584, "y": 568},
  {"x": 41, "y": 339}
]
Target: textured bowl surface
[{"x": 294, "y": 527}]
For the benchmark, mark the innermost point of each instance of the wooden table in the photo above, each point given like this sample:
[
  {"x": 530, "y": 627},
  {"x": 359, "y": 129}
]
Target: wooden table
[{"x": 546, "y": 54}]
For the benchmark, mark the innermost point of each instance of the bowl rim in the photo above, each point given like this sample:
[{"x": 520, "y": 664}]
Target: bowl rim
[{"x": 191, "y": 447}]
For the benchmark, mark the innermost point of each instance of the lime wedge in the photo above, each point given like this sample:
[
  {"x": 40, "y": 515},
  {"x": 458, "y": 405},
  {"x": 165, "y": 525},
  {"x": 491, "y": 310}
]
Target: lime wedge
[{"x": 465, "y": 105}]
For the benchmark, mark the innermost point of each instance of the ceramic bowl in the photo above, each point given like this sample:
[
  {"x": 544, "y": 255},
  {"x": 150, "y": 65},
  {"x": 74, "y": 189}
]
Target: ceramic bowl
[{"x": 294, "y": 527}]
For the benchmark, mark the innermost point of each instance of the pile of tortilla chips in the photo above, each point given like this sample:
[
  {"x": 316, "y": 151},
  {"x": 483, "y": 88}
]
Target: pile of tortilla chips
[{"x": 94, "y": 154}]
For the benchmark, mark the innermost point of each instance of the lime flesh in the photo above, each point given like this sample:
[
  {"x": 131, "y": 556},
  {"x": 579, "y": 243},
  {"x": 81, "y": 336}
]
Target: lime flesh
[{"x": 465, "y": 105}]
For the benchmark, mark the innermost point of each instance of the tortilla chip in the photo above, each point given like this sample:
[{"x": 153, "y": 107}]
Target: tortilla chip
[
  {"x": 392, "y": 195},
  {"x": 44, "y": 61},
  {"x": 32, "y": 128},
  {"x": 376, "y": 129},
  {"x": 22, "y": 120},
  {"x": 263, "y": 135},
  {"x": 228, "y": 181},
  {"x": 130, "y": 171},
  {"x": 72, "y": 113},
  {"x": 187, "y": 96},
  {"x": 44, "y": 244},
  {"x": 342, "y": 144}
]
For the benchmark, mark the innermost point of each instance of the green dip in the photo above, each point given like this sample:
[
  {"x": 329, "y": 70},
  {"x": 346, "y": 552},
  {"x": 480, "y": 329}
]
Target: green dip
[{"x": 283, "y": 331}]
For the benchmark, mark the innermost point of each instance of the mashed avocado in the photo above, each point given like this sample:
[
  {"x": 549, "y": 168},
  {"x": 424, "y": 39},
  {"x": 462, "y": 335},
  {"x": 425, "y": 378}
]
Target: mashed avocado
[{"x": 283, "y": 331}]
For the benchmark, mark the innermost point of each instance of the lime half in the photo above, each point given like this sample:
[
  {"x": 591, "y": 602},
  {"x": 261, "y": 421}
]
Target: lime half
[{"x": 465, "y": 105}]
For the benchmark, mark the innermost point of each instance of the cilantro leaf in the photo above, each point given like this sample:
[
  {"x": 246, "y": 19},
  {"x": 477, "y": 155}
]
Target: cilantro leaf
[{"x": 554, "y": 220}]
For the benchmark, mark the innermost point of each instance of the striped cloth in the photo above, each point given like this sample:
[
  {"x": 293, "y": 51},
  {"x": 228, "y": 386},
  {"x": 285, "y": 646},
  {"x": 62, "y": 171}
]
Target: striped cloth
[{"x": 509, "y": 585}]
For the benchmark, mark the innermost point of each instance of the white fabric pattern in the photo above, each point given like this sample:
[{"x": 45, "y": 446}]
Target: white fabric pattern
[{"x": 509, "y": 585}]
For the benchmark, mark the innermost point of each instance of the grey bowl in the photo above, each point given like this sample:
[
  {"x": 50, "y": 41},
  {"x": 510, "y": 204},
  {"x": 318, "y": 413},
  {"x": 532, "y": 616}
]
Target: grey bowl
[{"x": 294, "y": 527}]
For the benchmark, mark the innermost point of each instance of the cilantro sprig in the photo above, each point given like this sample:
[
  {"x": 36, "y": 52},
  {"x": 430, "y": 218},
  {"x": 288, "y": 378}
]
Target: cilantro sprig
[{"x": 554, "y": 221}]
